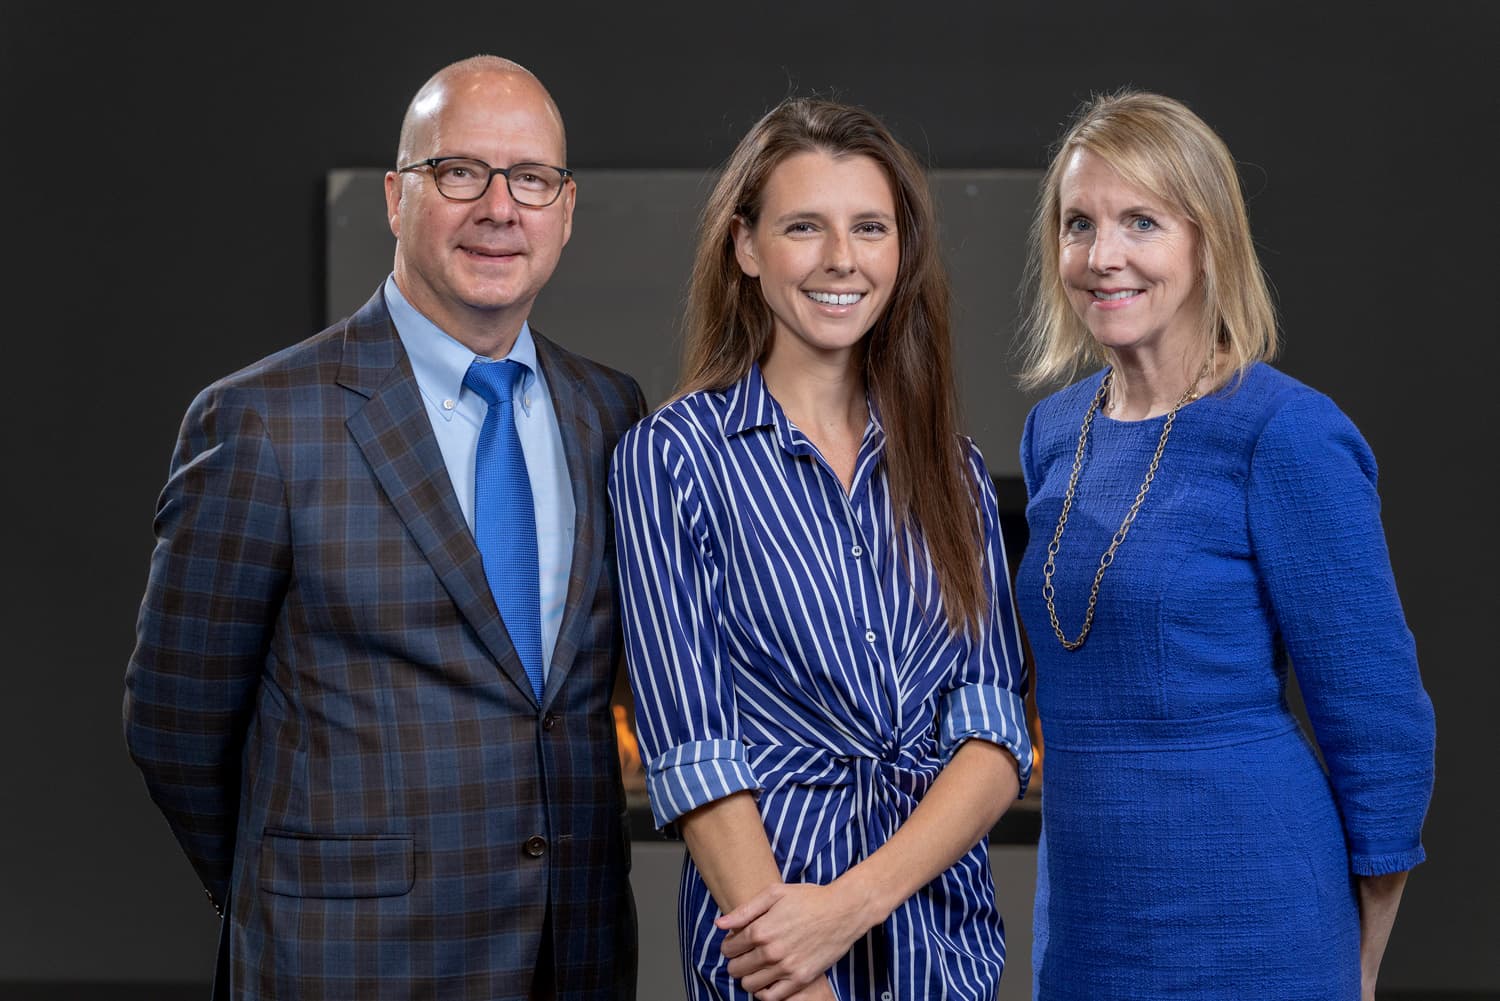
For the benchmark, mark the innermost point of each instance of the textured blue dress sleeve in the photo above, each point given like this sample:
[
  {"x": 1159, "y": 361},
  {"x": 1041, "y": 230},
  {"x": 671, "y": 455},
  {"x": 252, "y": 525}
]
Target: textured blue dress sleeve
[
  {"x": 1315, "y": 527},
  {"x": 685, "y": 705},
  {"x": 1027, "y": 473}
]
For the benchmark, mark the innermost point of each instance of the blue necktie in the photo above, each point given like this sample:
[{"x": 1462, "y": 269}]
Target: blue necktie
[{"x": 504, "y": 514}]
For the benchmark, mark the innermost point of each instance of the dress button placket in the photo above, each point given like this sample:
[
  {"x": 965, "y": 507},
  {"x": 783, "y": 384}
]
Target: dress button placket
[{"x": 856, "y": 551}]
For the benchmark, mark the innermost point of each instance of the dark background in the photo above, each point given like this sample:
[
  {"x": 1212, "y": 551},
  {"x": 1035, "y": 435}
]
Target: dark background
[{"x": 163, "y": 212}]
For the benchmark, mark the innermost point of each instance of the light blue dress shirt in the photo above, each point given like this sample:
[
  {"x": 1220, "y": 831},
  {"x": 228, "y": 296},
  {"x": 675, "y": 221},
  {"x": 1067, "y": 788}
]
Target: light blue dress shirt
[{"x": 457, "y": 413}]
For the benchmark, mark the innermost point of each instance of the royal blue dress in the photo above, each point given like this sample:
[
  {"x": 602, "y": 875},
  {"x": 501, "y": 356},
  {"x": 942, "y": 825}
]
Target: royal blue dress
[
  {"x": 1192, "y": 846},
  {"x": 780, "y": 642}
]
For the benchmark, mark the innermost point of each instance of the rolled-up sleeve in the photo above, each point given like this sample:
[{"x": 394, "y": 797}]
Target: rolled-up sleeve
[
  {"x": 1315, "y": 526},
  {"x": 985, "y": 699},
  {"x": 680, "y": 674}
]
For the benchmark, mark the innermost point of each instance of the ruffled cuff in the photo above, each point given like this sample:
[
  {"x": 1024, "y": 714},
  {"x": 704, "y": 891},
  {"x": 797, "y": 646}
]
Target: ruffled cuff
[
  {"x": 986, "y": 712},
  {"x": 687, "y": 776},
  {"x": 1365, "y": 864}
]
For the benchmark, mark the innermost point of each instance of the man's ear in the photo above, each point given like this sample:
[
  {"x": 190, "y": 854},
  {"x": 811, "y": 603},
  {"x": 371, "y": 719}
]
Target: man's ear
[
  {"x": 569, "y": 197},
  {"x": 742, "y": 233},
  {"x": 393, "y": 202}
]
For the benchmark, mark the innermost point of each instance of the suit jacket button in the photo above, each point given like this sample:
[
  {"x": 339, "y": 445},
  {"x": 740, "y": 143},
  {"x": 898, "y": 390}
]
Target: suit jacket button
[
  {"x": 535, "y": 846},
  {"x": 549, "y": 721}
]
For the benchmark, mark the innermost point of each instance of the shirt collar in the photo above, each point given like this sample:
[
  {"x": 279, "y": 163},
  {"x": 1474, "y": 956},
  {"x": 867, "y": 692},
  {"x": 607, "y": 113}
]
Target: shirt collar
[
  {"x": 437, "y": 360},
  {"x": 875, "y": 427},
  {"x": 752, "y": 406}
]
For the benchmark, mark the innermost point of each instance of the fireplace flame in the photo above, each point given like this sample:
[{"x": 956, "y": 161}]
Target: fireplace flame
[
  {"x": 631, "y": 766},
  {"x": 1034, "y": 725}
]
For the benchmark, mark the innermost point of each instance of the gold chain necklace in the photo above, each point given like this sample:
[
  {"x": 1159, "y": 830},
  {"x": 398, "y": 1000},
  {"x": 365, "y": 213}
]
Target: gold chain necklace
[{"x": 1048, "y": 592}]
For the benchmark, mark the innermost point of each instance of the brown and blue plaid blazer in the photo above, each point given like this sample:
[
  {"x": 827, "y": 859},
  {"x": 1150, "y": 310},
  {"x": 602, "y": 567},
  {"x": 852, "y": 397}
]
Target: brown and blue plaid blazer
[{"x": 327, "y": 708}]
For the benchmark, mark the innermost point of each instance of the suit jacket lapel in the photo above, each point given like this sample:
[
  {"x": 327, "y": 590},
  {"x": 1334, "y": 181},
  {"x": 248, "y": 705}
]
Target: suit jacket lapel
[
  {"x": 394, "y": 432},
  {"x": 582, "y": 440}
]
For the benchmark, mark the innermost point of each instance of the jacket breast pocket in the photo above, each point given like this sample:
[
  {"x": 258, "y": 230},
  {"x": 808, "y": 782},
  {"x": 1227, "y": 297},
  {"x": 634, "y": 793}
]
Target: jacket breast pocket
[{"x": 337, "y": 865}]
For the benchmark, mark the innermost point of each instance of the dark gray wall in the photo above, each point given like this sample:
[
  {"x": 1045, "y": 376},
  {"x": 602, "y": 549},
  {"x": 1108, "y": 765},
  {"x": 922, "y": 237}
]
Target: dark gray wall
[{"x": 195, "y": 247}]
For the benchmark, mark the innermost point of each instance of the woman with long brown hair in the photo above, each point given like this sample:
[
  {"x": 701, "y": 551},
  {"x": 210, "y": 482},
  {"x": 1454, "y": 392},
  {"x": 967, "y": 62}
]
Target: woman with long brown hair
[{"x": 819, "y": 627}]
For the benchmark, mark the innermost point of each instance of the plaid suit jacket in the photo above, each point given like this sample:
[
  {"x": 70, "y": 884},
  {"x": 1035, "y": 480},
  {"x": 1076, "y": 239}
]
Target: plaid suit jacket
[{"x": 326, "y": 706}]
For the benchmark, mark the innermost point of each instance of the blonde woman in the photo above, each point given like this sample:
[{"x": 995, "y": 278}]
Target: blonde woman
[{"x": 1194, "y": 516}]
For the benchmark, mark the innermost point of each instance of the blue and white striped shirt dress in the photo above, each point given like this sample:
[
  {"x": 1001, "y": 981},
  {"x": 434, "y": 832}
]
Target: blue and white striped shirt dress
[{"x": 778, "y": 643}]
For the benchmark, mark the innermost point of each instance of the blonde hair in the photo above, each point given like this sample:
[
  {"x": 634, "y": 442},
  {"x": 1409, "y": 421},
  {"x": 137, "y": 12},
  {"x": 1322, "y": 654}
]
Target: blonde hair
[
  {"x": 906, "y": 354},
  {"x": 1157, "y": 144}
]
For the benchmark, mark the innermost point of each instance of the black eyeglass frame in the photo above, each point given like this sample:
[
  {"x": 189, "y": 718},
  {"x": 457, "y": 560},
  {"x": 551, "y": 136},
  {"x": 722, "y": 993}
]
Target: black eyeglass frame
[{"x": 432, "y": 161}]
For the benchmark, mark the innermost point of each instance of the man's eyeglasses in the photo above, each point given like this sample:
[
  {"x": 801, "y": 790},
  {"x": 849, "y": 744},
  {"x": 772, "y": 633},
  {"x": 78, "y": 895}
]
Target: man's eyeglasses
[{"x": 466, "y": 180}]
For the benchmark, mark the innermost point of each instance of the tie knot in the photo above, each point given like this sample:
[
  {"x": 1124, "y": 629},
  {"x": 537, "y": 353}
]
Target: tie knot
[{"x": 494, "y": 381}]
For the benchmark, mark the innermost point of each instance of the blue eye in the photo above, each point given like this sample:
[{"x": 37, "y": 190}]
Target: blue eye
[
  {"x": 1142, "y": 224},
  {"x": 1078, "y": 224}
]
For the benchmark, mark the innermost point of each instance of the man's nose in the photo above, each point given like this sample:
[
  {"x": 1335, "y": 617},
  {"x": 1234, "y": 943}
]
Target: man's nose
[{"x": 496, "y": 204}]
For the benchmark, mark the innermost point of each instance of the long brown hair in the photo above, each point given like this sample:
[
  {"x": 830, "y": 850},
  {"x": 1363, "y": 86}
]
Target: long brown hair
[
  {"x": 1159, "y": 145},
  {"x": 907, "y": 365}
]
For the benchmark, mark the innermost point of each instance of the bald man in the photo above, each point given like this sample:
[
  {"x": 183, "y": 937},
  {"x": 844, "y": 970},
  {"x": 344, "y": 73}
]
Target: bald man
[{"x": 371, "y": 685}]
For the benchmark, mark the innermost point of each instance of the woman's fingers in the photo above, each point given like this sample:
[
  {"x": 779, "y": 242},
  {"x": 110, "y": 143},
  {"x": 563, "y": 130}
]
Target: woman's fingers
[{"x": 750, "y": 909}]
